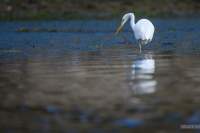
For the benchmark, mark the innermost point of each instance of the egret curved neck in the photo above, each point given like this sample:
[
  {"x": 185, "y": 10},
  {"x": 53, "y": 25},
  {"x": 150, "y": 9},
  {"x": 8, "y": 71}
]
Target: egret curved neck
[{"x": 132, "y": 21}]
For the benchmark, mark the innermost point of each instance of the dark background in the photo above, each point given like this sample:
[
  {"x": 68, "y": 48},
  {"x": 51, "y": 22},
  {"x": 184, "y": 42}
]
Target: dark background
[{"x": 102, "y": 9}]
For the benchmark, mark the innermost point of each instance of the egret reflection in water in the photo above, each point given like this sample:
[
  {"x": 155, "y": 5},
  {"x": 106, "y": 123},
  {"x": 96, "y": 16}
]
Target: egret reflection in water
[{"x": 142, "y": 74}]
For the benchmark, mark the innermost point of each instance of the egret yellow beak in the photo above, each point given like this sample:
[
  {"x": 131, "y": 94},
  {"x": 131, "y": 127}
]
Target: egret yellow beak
[{"x": 118, "y": 29}]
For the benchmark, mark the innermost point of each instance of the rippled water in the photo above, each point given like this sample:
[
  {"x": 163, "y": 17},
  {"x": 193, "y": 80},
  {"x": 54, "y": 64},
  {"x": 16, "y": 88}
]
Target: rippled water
[{"x": 75, "y": 76}]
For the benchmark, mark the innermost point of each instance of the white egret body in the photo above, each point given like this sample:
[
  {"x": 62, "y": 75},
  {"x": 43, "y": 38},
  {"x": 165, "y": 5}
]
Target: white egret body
[{"x": 143, "y": 29}]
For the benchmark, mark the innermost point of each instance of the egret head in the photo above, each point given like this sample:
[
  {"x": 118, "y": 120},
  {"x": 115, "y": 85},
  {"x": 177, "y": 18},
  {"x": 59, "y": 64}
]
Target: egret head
[{"x": 125, "y": 18}]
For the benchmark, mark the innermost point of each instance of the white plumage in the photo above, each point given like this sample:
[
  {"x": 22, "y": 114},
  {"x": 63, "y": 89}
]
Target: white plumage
[{"x": 143, "y": 29}]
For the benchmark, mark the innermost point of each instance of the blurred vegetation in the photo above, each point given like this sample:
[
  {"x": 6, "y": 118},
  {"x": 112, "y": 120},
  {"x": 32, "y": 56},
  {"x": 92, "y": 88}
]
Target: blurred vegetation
[{"x": 102, "y": 9}]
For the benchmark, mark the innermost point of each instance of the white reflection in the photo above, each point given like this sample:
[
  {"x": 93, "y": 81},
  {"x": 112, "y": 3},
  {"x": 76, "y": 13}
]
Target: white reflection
[{"x": 142, "y": 75}]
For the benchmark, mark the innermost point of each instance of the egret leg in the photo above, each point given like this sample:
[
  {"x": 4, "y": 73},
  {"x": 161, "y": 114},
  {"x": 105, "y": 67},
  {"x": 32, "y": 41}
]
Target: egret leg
[
  {"x": 140, "y": 45},
  {"x": 140, "y": 48}
]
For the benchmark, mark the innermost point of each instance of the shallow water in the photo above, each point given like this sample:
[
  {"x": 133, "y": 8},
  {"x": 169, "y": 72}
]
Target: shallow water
[{"x": 75, "y": 76}]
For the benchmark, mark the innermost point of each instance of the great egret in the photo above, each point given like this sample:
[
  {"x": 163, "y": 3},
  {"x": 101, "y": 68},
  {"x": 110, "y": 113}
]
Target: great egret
[{"x": 143, "y": 29}]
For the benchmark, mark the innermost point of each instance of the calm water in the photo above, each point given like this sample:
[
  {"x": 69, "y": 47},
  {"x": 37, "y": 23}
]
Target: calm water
[{"x": 76, "y": 76}]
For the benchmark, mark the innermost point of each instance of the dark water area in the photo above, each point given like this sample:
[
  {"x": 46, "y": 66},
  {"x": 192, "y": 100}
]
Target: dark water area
[{"x": 77, "y": 76}]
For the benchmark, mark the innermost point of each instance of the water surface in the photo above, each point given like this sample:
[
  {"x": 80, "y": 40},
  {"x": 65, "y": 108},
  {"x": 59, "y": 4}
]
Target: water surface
[{"x": 75, "y": 76}]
